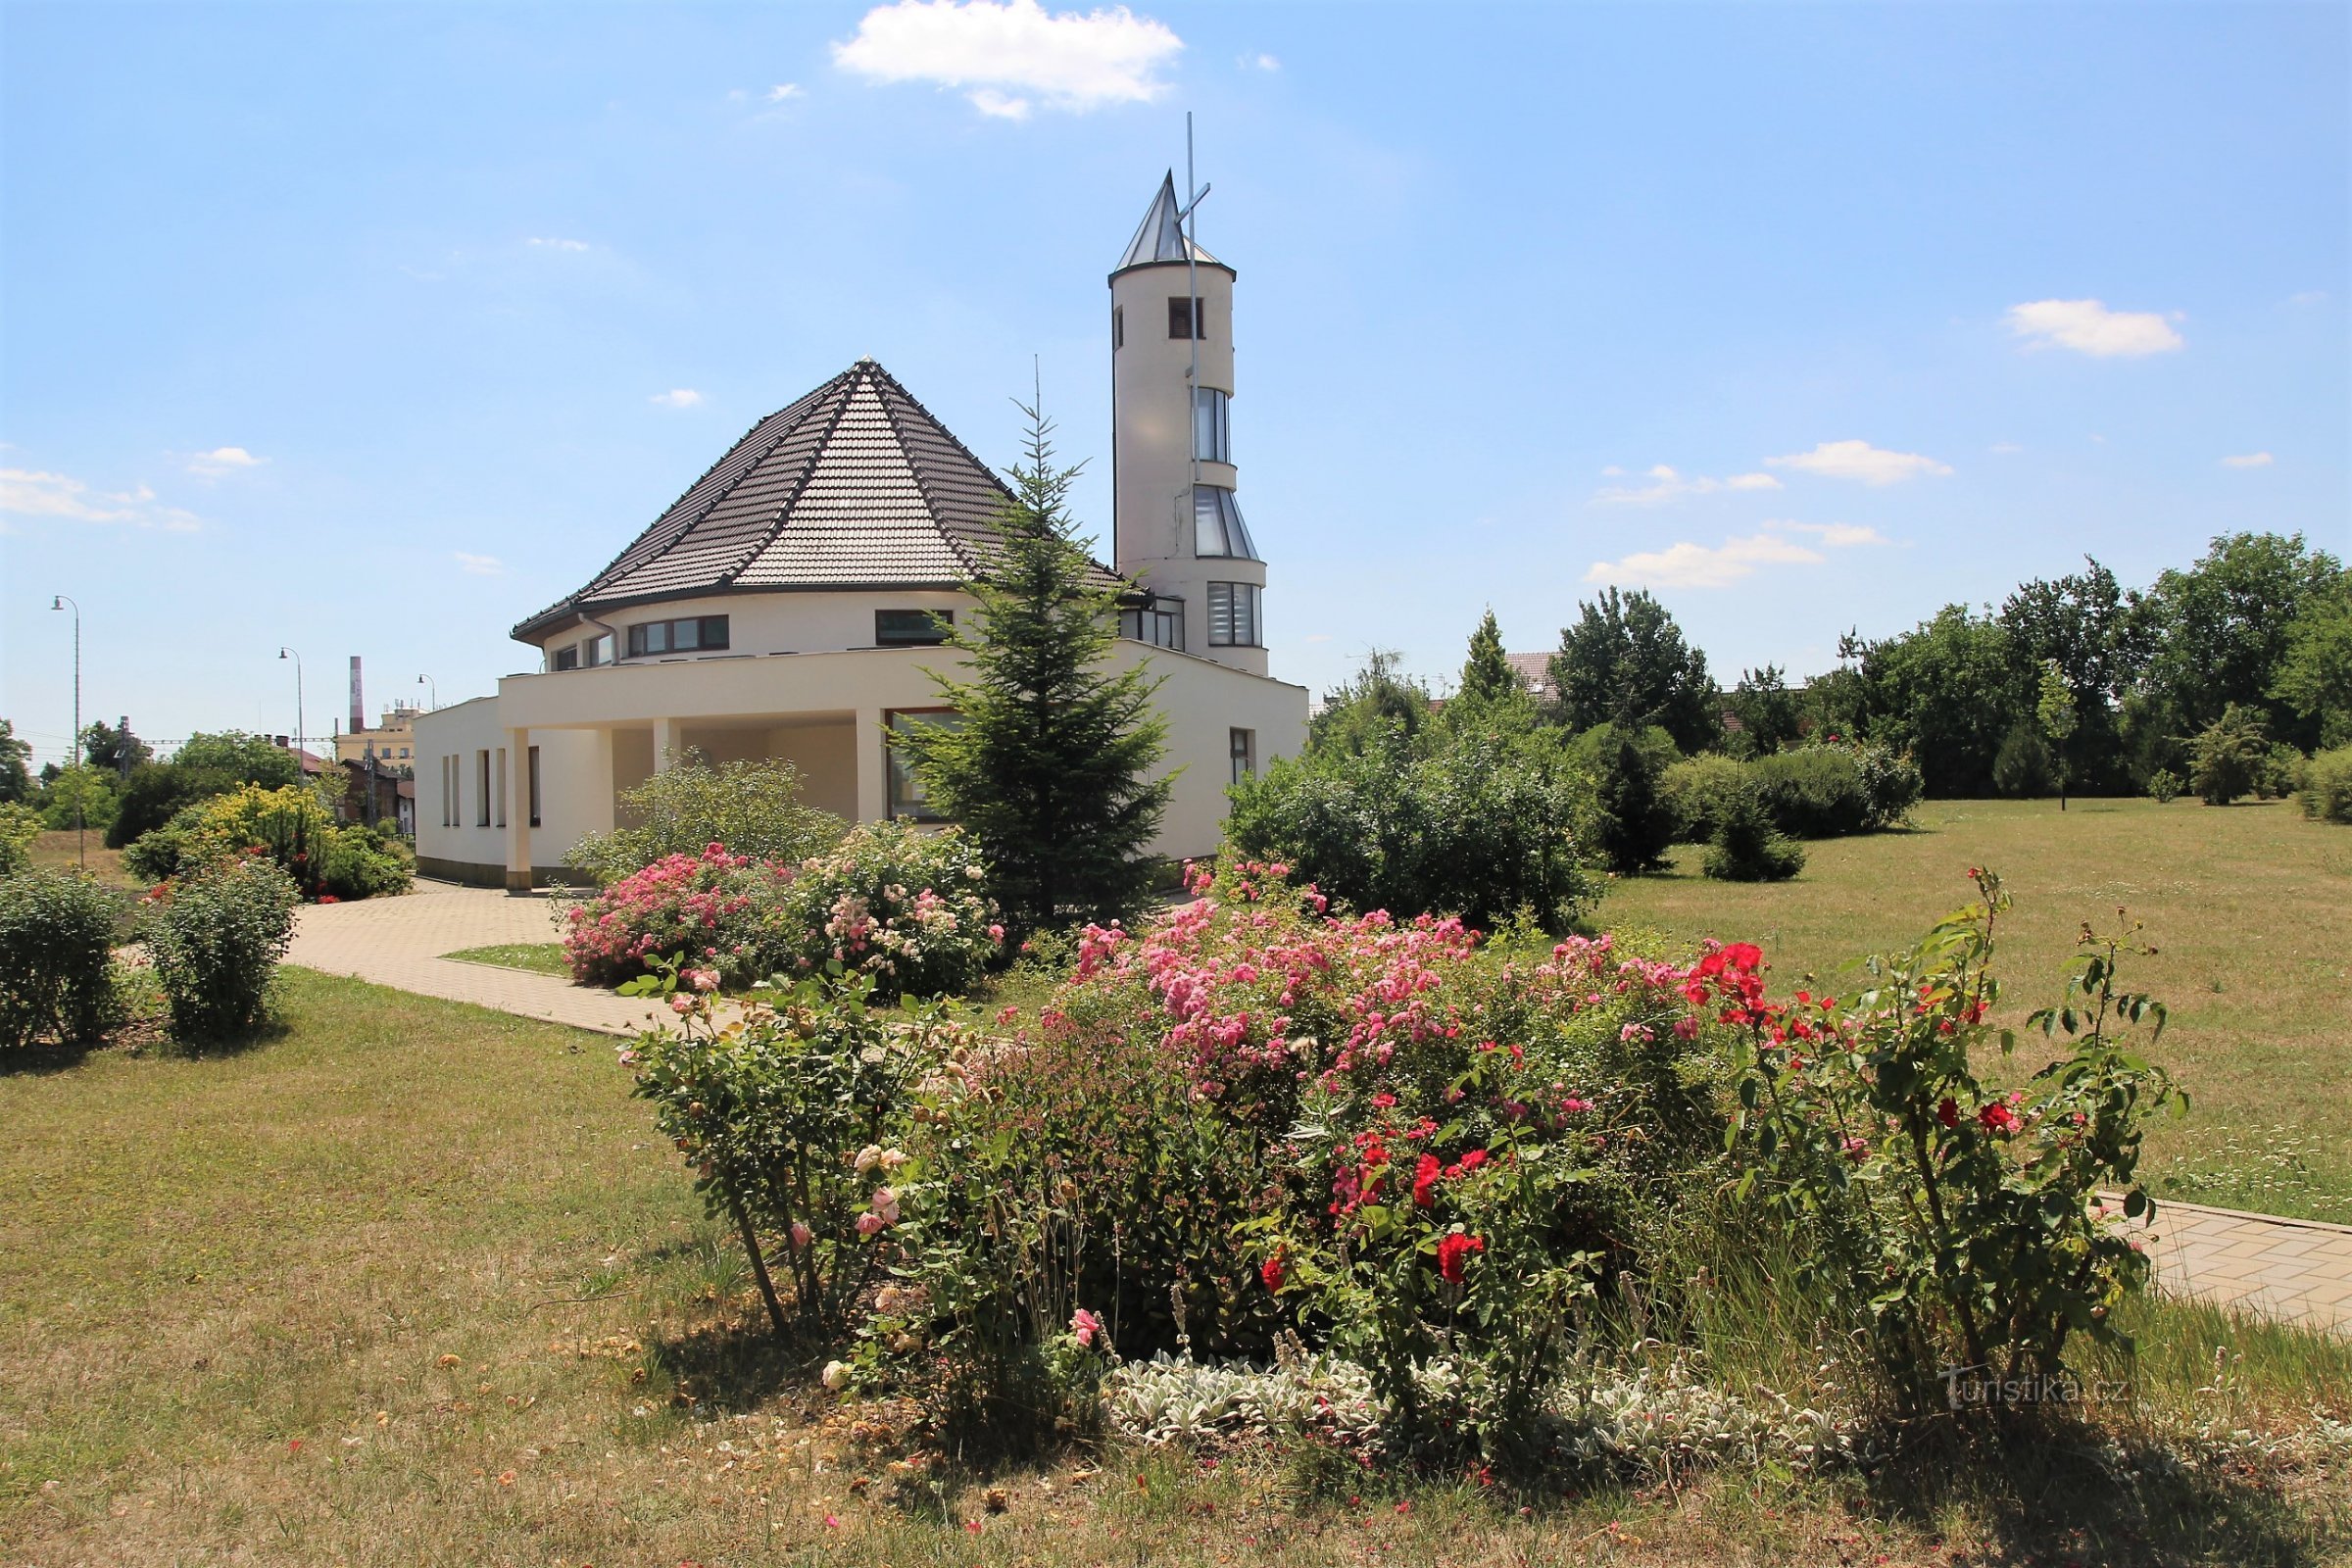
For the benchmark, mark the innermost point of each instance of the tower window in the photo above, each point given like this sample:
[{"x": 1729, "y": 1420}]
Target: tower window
[
  {"x": 1187, "y": 318},
  {"x": 1233, "y": 615},
  {"x": 1118, "y": 327},
  {"x": 1212, "y": 424},
  {"x": 1217, "y": 529}
]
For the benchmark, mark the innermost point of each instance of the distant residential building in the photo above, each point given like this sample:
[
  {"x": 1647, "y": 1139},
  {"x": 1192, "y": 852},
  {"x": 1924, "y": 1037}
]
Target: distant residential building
[
  {"x": 1535, "y": 670},
  {"x": 391, "y": 743}
]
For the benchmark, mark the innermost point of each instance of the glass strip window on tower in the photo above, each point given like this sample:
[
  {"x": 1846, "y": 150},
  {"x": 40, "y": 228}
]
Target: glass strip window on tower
[
  {"x": 1212, "y": 424},
  {"x": 1217, "y": 529},
  {"x": 1233, "y": 615}
]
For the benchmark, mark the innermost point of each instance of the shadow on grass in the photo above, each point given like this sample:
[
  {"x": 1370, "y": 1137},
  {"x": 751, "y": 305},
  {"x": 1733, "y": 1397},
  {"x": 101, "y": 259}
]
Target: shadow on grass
[
  {"x": 44, "y": 1058},
  {"x": 2061, "y": 1490},
  {"x": 266, "y": 1032}
]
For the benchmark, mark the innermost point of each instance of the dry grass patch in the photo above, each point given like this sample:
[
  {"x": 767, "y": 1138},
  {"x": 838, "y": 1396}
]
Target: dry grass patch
[{"x": 2248, "y": 906}]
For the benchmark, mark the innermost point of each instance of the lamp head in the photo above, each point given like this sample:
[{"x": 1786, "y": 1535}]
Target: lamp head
[{"x": 57, "y": 602}]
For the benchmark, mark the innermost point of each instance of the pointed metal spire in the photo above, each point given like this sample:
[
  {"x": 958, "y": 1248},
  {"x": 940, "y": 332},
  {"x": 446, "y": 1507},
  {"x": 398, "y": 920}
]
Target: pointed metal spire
[{"x": 1160, "y": 238}]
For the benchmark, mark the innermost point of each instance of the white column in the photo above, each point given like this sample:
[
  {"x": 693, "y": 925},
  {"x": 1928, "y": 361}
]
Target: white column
[
  {"x": 667, "y": 744},
  {"x": 518, "y": 784},
  {"x": 873, "y": 799}
]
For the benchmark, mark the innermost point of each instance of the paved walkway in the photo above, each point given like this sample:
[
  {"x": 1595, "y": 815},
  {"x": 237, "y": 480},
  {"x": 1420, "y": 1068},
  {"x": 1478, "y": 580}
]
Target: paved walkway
[
  {"x": 399, "y": 942},
  {"x": 2298, "y": 1272},
  {"x": 2295, "y": 1270}
]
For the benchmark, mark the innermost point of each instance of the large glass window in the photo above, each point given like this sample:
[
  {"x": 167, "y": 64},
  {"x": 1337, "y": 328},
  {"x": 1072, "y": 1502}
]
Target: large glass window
[
  {"x": 1233, "y": 615},
  {"x": 1157, "y": 620},
  {"x": 1212, "y": 424},
  {"x": 1217, "y": 529},
  {"x": 907, "y": 799},
  {"x": 912, "y": 628},
  {"x": 692, "y": 634},
  {"x": 597, "y": 651}
]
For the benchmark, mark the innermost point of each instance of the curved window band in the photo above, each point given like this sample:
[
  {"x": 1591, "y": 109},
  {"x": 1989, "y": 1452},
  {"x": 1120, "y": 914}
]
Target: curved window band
[{"x": 1217, "y": 526}]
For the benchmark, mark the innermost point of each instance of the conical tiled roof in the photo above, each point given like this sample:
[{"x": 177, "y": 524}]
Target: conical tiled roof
[
  {"x": 854, "y": 486},
  {"x": 1161, "y": 237}
]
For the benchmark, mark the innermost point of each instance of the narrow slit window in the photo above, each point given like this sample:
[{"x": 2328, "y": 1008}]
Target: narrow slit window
[
  {"x": 1212, "y": 424},
  {"x": 1241, "y": 744}
]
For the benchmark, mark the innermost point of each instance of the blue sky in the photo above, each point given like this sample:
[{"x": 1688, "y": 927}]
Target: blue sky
[{"x": 372, "y": 328}]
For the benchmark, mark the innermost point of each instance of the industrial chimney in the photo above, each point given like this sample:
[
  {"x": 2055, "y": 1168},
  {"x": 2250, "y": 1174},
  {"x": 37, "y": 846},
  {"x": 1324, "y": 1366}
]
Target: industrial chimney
[{"x": 358, "y": 708}]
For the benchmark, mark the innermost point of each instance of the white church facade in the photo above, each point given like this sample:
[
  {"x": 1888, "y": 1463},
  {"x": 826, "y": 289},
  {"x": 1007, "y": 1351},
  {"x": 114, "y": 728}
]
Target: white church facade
[{"x": 788, "y": 604}]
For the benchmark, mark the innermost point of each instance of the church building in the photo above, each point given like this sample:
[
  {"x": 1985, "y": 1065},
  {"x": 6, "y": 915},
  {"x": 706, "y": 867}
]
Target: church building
[{"x": 790, "y": 603}]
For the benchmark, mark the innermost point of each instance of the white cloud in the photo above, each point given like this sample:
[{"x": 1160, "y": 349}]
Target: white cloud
[
  {"x": 1859, "y": 459},
  {"x": 552, "y": 244},
  {"x": 1005, "y": 53},
  {"x": 478, "y": 565},
  {"x": 30, "y": 493},
  {"x": 1684, "y": 565},
  {"x": 2249, "y": 460},
  {"x": 222, "y": 460},
  {"x": 2091, "y": 328},
  {"x": 1836, "y": 535},
  {"x": 1689, "y": 565},
  {"x": 782, "y": 91},
  {"x": 1260, "y": 63},
  {"x": 677, "y": 397},
  {"x": 1665, "y": 485}
]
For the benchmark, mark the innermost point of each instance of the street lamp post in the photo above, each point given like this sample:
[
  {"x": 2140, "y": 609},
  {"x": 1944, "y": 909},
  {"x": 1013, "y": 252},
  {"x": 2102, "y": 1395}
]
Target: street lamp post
[
  {"x": 301, "y": 740},
  {"x": 81, "y": 854},
  {"x": 427, "y": 682}
]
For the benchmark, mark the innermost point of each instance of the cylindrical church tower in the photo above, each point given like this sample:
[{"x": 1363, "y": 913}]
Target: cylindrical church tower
[{"x": 1176, "y": 524}]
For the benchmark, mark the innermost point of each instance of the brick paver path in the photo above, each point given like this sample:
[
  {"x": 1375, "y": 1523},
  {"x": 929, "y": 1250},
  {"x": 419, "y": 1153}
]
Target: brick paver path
[
  {"x": 2299, "y": 1271},
  {"x": 2295, "y": 1270},
  {"x": 399, "y": 942}
]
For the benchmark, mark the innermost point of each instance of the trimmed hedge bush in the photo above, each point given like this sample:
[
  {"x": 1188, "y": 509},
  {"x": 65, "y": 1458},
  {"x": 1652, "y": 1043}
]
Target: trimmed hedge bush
[
  {"x": 1700, "y": 789},
  {"x": 216, "y": 937},
  {"x": 1821, "y": 791},
  {"x": 1748, "y": 848},
  {"x": 57, "y": 934}
]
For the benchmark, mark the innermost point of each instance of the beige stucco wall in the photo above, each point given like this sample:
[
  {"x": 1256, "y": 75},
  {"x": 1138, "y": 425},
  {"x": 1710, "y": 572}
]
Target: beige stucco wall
[{"x": 598, "y": 731}]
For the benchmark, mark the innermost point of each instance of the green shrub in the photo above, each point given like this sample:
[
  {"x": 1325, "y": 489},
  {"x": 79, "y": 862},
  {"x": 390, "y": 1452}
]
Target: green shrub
[
  {"x": 752, "y": 808},
  {"x": 792, "y": 1122},
  {"x": 362, "y": 863},
  {"x": 19, "y": 825},
  {"x": 1748, "y": 848},
  {"x": 1815, "y": 791},
  {"x": 57, "y": 934},
  {"x": 216, "y": 936},
  {"x": 1479, "y": 824},
  {"x": 1967, "y": 1226},
  {"x": 1628, "y": 766},
  {"x": 2165, "y": 785},
  {"x": 2229, "y": 758},
  {"x": 2326, "y": 791},
  {"x": 2282, "y": 774},
  {"x": 1698, "y": 789},
  {"x": 2023, "y": 768}
]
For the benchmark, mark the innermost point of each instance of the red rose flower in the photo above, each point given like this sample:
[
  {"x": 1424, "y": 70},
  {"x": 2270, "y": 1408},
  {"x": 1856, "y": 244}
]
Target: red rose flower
[
  {"x": 1743, "y": 956},
  {"x": 1271, "y": 1271},
  {"x": 1948, "y": 1113},
  {"x": 1426, "y": 1171},
  {"x": 1451, "y": 1251},
  {"x": 1998, "y": 1118}
]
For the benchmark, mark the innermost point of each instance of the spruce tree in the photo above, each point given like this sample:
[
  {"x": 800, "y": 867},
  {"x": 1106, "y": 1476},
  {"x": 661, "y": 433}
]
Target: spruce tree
[
  {"x": 1049, "y": 768},
  {"x": 1488, "y": 675}
]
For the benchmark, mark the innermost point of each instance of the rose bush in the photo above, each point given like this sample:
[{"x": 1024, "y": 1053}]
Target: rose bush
[
  {"x": 904, "y": 907},
  {"x": 716, "y": 910}
]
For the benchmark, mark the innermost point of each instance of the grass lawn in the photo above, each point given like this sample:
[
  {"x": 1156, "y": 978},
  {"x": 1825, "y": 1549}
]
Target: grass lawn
[
  {"x": 2249, "y": 906},
  {"x": 411, "y": 1282},
  {"x": 539, "y": 957},
  {"x": 55, "y": 849}
]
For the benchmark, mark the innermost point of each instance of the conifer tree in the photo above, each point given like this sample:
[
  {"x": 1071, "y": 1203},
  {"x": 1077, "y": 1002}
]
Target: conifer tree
[
  {"x": 1486, "y": 674},
  {"x": 1048, "y": 768}
]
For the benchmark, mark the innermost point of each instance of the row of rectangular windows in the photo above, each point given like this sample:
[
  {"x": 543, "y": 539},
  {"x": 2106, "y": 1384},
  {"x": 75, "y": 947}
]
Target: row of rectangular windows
[
  {"x": 489, "y": 789},
  {"x": 704, "y": 634},
  {"x": 1186, "y": 318}
]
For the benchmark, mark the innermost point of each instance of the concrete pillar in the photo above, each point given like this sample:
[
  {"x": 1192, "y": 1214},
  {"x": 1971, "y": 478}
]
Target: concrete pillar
[
  {"x": 667, "y": 741},
  {"x": 873, "y": 799},
  {"x": 518, "y": 811}
]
